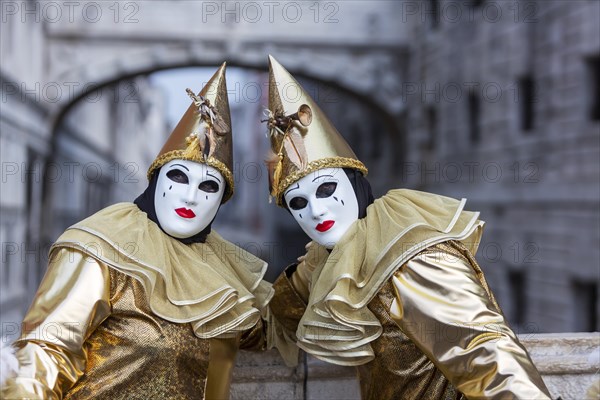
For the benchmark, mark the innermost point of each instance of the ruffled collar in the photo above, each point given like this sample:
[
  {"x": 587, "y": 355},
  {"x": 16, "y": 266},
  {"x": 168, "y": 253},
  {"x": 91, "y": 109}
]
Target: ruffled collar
[
  {"x": 215, "y": 286},
  {"x": 337, "y": 325}
]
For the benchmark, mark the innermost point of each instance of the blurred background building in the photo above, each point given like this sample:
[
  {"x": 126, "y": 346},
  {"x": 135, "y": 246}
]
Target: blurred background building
[
  {"x": 495, "y": 101},
  {"x": 504, "y": 109}
]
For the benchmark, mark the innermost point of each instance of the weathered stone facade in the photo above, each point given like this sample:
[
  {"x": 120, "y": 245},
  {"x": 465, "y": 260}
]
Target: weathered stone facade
[{"x": 500, "y": 101}]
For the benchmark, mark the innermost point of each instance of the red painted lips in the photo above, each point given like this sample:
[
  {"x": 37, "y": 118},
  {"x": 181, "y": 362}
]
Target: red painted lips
[
  {"x": 185, "y": 213},
  {"x": 325, "y": 226}
]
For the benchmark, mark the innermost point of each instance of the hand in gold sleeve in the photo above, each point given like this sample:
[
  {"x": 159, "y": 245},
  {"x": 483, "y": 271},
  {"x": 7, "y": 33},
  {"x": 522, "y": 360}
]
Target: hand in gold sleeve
[
  {"x": 443, "y": 306},
  {"x": 72, "y": 300}
]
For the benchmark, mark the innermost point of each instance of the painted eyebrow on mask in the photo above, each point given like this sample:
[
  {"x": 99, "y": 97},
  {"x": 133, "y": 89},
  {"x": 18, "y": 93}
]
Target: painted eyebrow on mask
[
  {"x": 322, "y": 176},
  {"x": 181, "y": 165},
  {"x": 294, "y": 188},
  {"x": 209, "y": 174}
]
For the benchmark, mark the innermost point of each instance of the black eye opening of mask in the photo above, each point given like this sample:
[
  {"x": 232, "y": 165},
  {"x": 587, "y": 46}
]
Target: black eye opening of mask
[
  {"x": 362, "y": 190},
  {"x": 145, "y": 202}
]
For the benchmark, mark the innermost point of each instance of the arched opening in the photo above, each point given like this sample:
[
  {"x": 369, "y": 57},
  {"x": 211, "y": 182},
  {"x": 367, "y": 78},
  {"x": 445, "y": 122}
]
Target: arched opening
[{"x": 105, "y": 139}]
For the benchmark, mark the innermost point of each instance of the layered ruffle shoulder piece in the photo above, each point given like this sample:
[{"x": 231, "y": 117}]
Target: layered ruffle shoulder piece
[
  {"x": 337, "y": 325},
  {"x": 215, "y": 286}
]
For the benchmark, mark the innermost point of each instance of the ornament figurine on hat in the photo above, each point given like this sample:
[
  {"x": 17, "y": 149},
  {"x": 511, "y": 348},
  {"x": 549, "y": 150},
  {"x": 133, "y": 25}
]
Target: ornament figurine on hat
[
  {"x": 382, "y": 276},
  {"x": 302, "y": 137},
  {"x": 152, "y": 303}
]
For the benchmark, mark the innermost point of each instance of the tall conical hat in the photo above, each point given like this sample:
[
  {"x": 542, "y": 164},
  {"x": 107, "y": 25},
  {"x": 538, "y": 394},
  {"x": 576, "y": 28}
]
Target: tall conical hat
[
  {"x": 303, "y": 139},
  {"x": 203, "y": 134}
]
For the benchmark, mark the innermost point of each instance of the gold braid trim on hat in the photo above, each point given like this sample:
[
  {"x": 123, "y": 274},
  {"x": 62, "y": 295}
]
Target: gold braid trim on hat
[
  {"x": 199, "y": 158},
  {"x": 331, "y": 162}
]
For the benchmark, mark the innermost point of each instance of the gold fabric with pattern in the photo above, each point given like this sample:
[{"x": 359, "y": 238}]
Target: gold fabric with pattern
[
  {"x": 408, "y": 372},
  {"x": 466, "y": 351},
  {"x": 90, "y": 333},
  {"x": 438, "y": 331},
  {"x": 284, "y": 313},
  {"x": 134, "y": 354}
]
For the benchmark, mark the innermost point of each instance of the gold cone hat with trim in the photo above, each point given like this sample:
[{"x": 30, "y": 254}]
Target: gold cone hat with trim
[
  {"x": 303, "y": 139},
  {"x": 203, "y": 134}
]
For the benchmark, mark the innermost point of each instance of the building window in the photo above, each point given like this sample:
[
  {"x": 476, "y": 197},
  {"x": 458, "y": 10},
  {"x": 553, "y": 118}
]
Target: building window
[
  {"x": 431, "y": 123},
  {"x": 593, "y": 87},
  {"x": 32, "y": 177},
  {"x": 97, "y": 195},
  {"x": 474, "y": 115},
  {"x": 6, "y": 262},
  {"x": 526, "y": 100},
  {"x": 585, "y": 306},
  {"x": 516, "y": 283},
  {"x": 433, "y": 13}
]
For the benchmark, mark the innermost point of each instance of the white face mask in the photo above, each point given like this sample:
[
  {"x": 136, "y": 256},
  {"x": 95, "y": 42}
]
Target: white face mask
[
  {"x": 324, "y": 205},
  {"x": 187, "y": 197}
]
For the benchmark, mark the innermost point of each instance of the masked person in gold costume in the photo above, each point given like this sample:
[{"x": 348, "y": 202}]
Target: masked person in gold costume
[
  {"x": 141, "y": 300},
  {"x": 387, "y": 285}
]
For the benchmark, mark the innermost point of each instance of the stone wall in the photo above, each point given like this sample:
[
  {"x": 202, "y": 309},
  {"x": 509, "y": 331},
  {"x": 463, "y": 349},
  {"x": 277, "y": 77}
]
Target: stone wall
[{"x": 569, "y": 364}]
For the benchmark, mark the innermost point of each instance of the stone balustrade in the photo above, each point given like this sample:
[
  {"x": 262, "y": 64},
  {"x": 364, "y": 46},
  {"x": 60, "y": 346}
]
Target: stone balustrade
[{"x": 568, "y": 362}]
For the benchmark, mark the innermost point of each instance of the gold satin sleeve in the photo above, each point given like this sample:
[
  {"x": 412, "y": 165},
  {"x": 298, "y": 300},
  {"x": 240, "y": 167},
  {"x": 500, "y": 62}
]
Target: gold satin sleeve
[
  {"x": 72, "y": 300},
  {"x": 443, "y": 305}
]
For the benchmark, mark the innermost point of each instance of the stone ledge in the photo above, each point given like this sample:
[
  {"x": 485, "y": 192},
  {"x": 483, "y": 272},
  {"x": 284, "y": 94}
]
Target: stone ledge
[
  {"x": 568, "y": 362},
  {"x": 561, "y": 354}
]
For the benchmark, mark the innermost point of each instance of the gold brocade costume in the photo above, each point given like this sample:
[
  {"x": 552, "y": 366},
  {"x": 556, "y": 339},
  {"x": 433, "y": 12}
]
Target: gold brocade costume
[
  {"x": 127, "y": 312},
  {"x": 402, "y": 298}
]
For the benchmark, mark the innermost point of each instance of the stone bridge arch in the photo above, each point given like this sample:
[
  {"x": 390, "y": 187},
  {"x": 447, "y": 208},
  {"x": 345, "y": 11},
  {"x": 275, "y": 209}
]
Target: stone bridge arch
[{"x": 376, "y": 80}]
